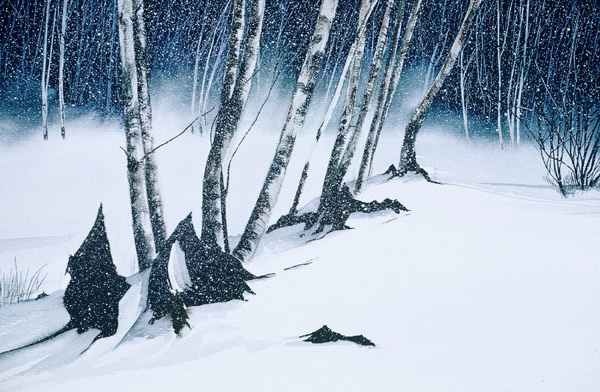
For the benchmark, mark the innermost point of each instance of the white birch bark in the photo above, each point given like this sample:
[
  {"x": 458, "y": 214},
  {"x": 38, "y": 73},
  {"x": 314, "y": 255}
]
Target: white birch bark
[
  {"x": 45, "y": 66},
  {"x": 257, "y": 224},
  {"x": 111, "y": 66},
  {"x": 463, "y": 102},
  {"x": 332, "y": 105},
  {"x": 523, "y": 75},
  {"x": 61, "y": 68},
  {"x": 142, "y": 227},
  {"x": 341, "y": 140},
  {"x": 195, "y": 79},
  {"x": 206, "y": 86},
  {"x": 197, "y": 60},
  {"x": 155, "y": 206},
  {"x": 387, "y": 91},
  {"x": 408, "y": 160},
  {"x": 236, "y": 87},
  {"x": 499, "y": 63},
  {"x": 226, "y": 122},
  {"x": 511, "y": 96},
  {"x": 367, "y": 96},
  {"x": 209, "y": 83}
]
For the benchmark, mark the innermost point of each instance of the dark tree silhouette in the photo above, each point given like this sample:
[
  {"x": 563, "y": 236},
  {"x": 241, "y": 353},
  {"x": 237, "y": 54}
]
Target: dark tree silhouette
[
  {"x": 210, "y": 275},
  {"x": 93, "y": 294}
]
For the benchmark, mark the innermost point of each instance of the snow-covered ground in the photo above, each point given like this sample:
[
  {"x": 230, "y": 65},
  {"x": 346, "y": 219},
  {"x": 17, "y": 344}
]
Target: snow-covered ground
[{"x": 490, "y": 283}]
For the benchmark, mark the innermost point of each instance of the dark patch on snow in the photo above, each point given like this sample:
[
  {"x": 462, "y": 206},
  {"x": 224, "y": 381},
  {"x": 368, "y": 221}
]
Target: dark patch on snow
[
  {"x": 325, "y": 335},
  {"x": 215, "y": 276}
]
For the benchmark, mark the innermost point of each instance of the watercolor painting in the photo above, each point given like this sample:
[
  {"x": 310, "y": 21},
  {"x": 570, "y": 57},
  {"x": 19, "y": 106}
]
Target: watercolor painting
[{"x": 299, "y": 195}]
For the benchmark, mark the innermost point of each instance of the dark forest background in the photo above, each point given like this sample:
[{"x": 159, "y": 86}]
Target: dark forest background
[{"x": 558, "y": 53}]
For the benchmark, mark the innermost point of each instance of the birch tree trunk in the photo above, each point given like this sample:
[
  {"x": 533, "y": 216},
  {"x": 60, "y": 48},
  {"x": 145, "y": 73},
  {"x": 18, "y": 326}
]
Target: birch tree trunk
[
  {"x": 523, "y": 74},
  {"x": 155, "y": 206},
  {"x": 45, "y": 66},
  {"x": 111, "y": 66},
  {"x": 367, "y": 97},
  {"x": 499, "y": 63},
  {"x": 257, "y": 224},
  {"x": 511, "y": 96},
  {"x": 142, "y": 227},
  {"x": 408, "y": 160},
  {"x": 463, "y": 100},
  {"x": 206, "y": 87},
  {"x": 330, "y": 185},
  {"x": 61, "y": 68},
  {"x": 197, "y": 61},
  {"x": 226, "y": 124},
  {"x": 387, "y": 90},
  {"x": 236, "y": 87},
  {"x": 195, "y": 80},
  {"x": 332, "y": 105}
]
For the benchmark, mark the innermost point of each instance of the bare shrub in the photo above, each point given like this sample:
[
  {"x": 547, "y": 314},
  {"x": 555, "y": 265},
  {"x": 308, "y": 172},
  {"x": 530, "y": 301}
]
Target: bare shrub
[{"x": 567, "y": 134}]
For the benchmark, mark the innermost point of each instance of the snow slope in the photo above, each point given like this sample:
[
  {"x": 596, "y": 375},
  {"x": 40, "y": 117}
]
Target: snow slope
[{"x": 490, "y": 283}]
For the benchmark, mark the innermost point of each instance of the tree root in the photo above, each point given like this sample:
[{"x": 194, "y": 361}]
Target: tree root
[
  {"x": 415, "y": 168},
  {"x": 291, "y": 219},
  {"x": 337, "y": 211}
]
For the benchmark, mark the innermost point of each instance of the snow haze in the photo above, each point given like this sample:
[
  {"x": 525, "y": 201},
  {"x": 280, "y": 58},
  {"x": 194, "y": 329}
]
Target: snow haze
[{"x": 490, "y": 282}]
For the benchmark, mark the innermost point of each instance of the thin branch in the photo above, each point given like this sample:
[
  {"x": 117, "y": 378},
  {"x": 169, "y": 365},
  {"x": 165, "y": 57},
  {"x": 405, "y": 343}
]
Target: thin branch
[{"x": 179, "y": 134}]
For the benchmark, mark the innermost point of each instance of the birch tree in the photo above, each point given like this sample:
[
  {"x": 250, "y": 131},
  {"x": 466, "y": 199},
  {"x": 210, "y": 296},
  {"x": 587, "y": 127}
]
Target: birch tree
[
  {"x": 525, "y": 65},
  {"x": 210, "y": 40},
  {"x": 61, "y": 67},
  {"x": 408, "y": 159},
  {"x": 330, "y": 184},
  {"x": 332, "y": 105},
  {"x": 205, "y": 17},
  {"x": 499, "y": 52},
  {"x": 365, "y": 105},
  {"x": 236, "y": 87},
  {"x": 155, "y": 207},
  {"x": 391, "y": 78},
  {"x": 142, "y": 227},
  {"x": 303, "y": 92},
  {"x": 464, "y": 69},
  {"x": 46, "y": 63}
]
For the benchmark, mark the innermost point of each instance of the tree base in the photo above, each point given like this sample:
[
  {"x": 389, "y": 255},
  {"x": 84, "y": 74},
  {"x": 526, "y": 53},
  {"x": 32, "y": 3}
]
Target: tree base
[
  {"x": 214, "y": 276},
  {"x": 413, "y": 168},
  {"x": 337, "y": 211},
  {"x": 95, "y": 289}
]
